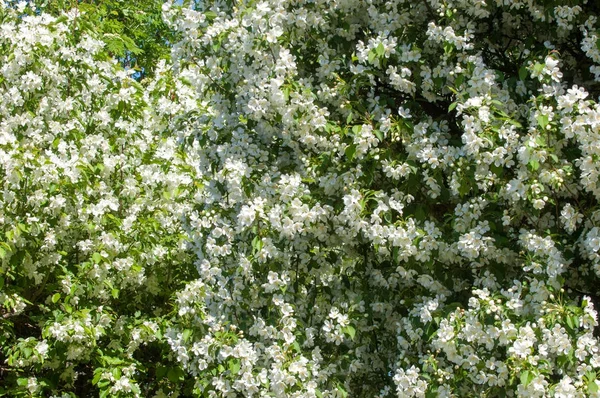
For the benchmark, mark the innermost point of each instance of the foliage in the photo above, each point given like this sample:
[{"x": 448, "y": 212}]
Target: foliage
[
  {"x": 309, "y": 199},
  {"x": 133, "y": 30},
  {"x": 94, "y": 186}
]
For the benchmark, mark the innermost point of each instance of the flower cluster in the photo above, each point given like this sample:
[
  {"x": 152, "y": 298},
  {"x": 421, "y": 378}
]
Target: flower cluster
[
  {"x": 312, "y": 199},
  {"x": 94, "y": 186}
]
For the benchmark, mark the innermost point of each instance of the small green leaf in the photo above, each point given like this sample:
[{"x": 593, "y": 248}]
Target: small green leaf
[
  {"x": 349, "y": 118},
  {"x": 534, "y": 164},
  {"x": 542, "y": 121},
  {"x": 175, "y": 374},
  {"x": 97, "y": 376},
  {"x": 523, "y": 72},
  {"x": 525, "y": 378},
  {"x": 380, "y": 50},
  {"x": 452, "y": 106},
  {"x": 350, "y": 331},
  {"x": 97, "y": 257},
  {"x": 515, "y": 123},
  {"x": 27, "y": 351},
  {"x": 448, "y": 47},
  {"x": 161, "y": 371},
  {"x": 296, "y": 347},
  {"x": 234, "y": 366},
  {"x": 55, "y": 297},
  {"x": 592, "y": 385},
  {"x": 257, "y": 243},
  {"x": 538, "y": 68},
  {"x": 420, "y": 213},
  {"x": 342, "y": 391},
  {"x": 372, "y": 55},
  {"x": 459, "y": 80},
  {"x": 573, "y": 321},
  {"x": 350, "y": 151},
  {"x": 116, "y": 372}
]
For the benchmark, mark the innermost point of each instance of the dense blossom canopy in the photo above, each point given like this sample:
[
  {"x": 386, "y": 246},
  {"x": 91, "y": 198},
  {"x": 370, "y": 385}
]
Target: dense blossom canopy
[{"x": 349, "y": 198}]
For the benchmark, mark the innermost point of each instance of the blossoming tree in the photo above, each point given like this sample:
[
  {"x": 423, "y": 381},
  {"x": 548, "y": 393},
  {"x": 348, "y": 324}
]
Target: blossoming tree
[{"x": 352, "y": 198}]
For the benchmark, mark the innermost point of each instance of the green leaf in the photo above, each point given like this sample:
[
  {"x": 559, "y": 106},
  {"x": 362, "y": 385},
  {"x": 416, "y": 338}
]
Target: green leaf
[
  {"x": 210, "y": 15},
  {"x": 538, "y": 68},
  {"x": 349, "y": 118},
  {"x": 175, "y": 374},
  {"x": 22, "y": 381},
  {"x": 342, "y": 391},
  {"x": 448, "y": 47},
  {"x": 257, "y": 243},
  {"x": 350, "y": 331},
  {"x": 387, "y": 216},
  {"x": 572, "y": 321},
  {"x": 379, "y": 135},
  {"x": 296, "y": 347},
  {"x": 452, "y": 106},
  {"x": 97, "y": 257},
  {"x": 420, "y": 213},
  {"x": 526, "y": 377},
  {"x": 130, "y": 45},
  {"x": 515, "y": 123},
  {"x": 523, "y": 72},
  {"x": 380, "y": 50},
  {"x": 234, "y": 366},
  {"x": 432, "y": 394},
  {"x": 55, "y": 297},
  {"x": 459, "y": 80},
  {"x": 161, "y": 371},
  {"x": 590, "y": 377},
  {"x": 350, "y": 151},
  {"x": 97, "y": 376},
  {"x": 542, "y": 121},
  {"x": 372, "y": 56},
  {"x": 534, "y": 164}
]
